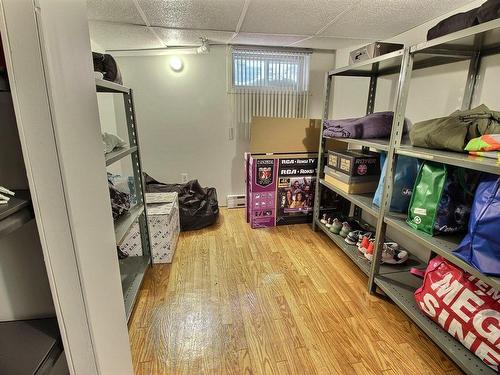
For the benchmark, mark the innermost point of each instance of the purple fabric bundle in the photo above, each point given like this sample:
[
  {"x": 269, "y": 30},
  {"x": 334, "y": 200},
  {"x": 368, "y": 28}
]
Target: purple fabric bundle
[{"x": 376, "y": 125}]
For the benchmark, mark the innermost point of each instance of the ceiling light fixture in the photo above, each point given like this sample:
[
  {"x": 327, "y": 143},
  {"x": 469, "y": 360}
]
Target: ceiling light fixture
[
  {"x": 204, "y": 48},
  {"x": 176, "y": 64}
]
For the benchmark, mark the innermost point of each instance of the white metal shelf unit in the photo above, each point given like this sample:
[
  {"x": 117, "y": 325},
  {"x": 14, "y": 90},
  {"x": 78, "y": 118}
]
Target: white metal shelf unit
[
  {"x": 132, "y": 269},
  {"x": 475, "y": 43},
  {"x": 471, "y": 44}
]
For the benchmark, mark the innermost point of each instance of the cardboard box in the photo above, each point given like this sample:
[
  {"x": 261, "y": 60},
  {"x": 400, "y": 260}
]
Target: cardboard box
[
  {"x": 373, "y": 50},
  {"x": 284, "y": 135},
  {"x": 296, "y": 188},
  {"x": 356, "y": 188},
  {"x": 345, "y": 178},
  {"x": 355, "y": 163},
  {"x": 164, "y": 229},
  {"x": 280, "y": 189},
  {"x": 280, "y": 138}
]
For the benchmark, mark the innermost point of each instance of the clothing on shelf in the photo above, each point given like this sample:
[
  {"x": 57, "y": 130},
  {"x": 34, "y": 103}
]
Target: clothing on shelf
[
  {"x": 5, "y": 195},
  {"x": 453, "y": 132},
  {"x": 376, "y": 125},
  {"x": 120, "y": 200},
  {"x": 107, "y": 65},
  {"x": 488, "y": 11},
  {"x": 487, "y": 154},
  {"x": 112, "y": 142}
]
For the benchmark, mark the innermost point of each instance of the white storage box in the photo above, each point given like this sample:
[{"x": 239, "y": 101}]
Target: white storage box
[{"x": 164, "y": 228}]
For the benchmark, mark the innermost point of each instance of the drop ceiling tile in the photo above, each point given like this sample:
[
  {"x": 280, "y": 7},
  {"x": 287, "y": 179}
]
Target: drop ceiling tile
[
  {"x": 180, "y": 37},
  {"x": 123, "y": 11},
  {"x": 112, "y": 36},
  {"x": 378, "y": 19},
  {"x": 266, "y": 39},
  {"x": 299, "y": 17},
  {"x": 330, "y": 43},
  {"x": 193, "y": 14}
]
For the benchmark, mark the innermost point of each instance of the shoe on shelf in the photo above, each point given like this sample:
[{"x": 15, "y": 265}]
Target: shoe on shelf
[
  {"x": 345, "y": 230},
  {"x": 365, "y": 242},
  {"x": 328, "y": 222},
  {"x": 391, "y": 254},
  {"x": 336, "y": 226},
  {"x": 354, "y": 237},
  {"x": 324, "y": 219}
]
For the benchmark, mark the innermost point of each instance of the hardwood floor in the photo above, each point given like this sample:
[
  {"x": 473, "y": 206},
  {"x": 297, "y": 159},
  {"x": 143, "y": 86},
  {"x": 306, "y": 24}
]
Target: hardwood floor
[{"x": 270, "y": 301}]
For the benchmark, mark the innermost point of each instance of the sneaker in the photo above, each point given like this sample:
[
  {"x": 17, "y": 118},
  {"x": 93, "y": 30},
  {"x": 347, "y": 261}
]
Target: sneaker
[
  {"x": 324, "y": 219},
  {"x": 328, "y": 222},
  {"x": 362, "y": 235},
  {"x": 344, "y": 231},
  {"x": 336, "y": 226},
  {"x": 371, "y": 247},
  {"x": 354, "y": 237},
  {"x": 390, "y": 254},
  {"x": 365, "y": 243}
]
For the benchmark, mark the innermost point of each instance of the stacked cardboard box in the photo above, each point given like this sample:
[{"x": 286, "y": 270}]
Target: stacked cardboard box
[
  {"x": 281, "y": 169},
  {"x": 354, "y": 172},
  {"x": 164, "y": 228}
]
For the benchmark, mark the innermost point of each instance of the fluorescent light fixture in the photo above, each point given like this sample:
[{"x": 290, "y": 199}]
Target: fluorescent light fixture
[{"x": 176, "y": 64}]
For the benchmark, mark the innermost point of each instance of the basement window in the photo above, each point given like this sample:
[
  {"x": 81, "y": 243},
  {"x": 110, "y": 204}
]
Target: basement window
[{"x": 273, "y": 69}]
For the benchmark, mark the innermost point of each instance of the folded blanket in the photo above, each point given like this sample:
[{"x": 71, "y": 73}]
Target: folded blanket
[{"x": 376, "y": 125}]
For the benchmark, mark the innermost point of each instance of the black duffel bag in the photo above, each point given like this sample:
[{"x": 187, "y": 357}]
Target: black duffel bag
[
  {"x": 489, "y": 11},
  {"x": 198, "y": 206},
  {"x": 454, "y": 23},
  {"x": 107, "y": 65}
]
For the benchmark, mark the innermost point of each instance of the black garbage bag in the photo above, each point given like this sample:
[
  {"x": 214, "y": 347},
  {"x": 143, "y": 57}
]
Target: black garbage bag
[{"x": 198, "y": 206}]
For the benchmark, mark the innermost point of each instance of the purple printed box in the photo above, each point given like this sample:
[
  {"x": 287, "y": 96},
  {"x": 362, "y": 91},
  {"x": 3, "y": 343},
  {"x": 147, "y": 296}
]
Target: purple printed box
[
  {"x": 280, "y": 189},
  {"x": 262, "y": 174}
]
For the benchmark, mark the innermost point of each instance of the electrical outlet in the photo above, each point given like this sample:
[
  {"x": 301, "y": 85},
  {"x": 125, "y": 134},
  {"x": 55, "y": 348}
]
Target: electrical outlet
[{"x": 184, "y": 178}]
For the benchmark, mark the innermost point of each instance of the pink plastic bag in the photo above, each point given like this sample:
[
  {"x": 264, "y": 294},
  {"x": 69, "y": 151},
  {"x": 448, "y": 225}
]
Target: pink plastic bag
[{"x": 463, "y": 305}]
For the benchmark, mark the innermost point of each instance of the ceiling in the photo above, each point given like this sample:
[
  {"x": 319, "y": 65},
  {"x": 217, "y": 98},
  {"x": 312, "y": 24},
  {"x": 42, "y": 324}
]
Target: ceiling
[{"x": 319, "y": 24}]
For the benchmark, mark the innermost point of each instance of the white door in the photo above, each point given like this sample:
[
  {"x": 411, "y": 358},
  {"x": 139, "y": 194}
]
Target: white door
[{"x": 48, "y": 54}]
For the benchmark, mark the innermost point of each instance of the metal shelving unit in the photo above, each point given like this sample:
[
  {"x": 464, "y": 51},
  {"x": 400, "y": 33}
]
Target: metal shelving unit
[
  {"x": 132, "y": 269},
  {"x": 29, "y": 346},
  {"x": 360, "y": 260},
  {"x": 16, "y": 213},
  {"x": 123, "y": 223},
  {"x": 400, "y": 287},
  {"x": 363, "y": 201},
  {"x": 119, "y": 154},
  {"x": 467, "y": 45}
]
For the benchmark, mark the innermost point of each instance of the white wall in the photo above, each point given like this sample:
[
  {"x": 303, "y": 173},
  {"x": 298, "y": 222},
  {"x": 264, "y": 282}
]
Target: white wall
[{"x": 184, "y": 117}]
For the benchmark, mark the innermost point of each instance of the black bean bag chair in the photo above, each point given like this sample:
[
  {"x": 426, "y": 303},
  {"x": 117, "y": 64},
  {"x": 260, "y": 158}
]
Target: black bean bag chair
[{"x": 198, "y": 206}]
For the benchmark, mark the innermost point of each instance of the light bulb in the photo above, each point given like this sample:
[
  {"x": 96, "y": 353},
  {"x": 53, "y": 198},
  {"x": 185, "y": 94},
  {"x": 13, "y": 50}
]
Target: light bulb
[{"x": 176, "y": 64}]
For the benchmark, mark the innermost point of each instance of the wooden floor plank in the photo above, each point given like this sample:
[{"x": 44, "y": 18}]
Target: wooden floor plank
[{"x": 281, "y": 300}]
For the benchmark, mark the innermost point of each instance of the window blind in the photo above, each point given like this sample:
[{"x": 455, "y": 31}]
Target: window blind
[{"x": 269, "y": 83}]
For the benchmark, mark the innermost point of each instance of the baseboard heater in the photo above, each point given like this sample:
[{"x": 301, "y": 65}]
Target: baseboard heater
[{"x": 236, "y": 201}]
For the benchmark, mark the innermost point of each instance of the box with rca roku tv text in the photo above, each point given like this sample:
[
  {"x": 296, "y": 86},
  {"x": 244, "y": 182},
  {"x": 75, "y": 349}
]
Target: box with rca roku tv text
[{"x": 280, "y": 189}]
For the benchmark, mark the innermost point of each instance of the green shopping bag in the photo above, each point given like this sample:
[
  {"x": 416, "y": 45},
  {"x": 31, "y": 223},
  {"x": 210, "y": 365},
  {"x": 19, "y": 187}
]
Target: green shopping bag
[{"x": 426, "y": 196}]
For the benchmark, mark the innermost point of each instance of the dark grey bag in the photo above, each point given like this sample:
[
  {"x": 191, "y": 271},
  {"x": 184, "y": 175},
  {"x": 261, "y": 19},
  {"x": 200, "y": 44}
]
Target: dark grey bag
[
  {"x": 489, "y": 11},
  {"x": 107, "y": 65},
  {"x": 454, "y": 23}
]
